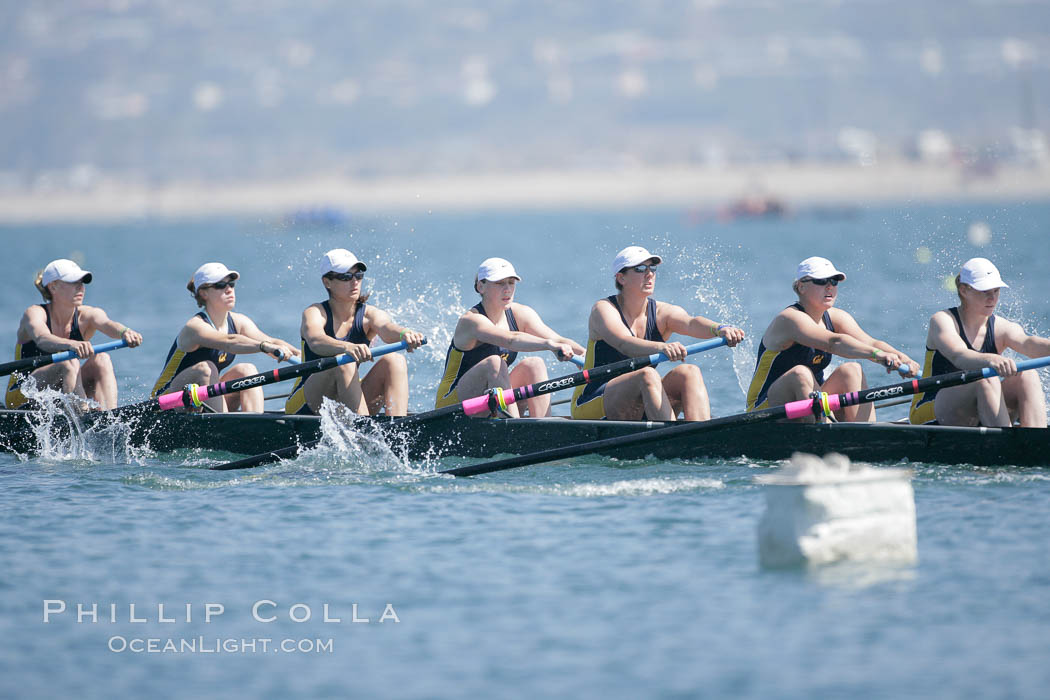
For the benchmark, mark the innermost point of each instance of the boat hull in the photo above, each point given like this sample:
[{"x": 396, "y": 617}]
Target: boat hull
[{"x": 456, "y": 435}]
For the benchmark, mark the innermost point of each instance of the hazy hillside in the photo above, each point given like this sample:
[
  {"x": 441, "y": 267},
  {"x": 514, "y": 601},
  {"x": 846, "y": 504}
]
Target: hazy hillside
[{"x": 194, "y": 88}]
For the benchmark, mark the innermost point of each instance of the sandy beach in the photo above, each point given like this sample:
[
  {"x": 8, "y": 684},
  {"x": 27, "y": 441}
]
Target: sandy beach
[{"x": 691, "y": 188}]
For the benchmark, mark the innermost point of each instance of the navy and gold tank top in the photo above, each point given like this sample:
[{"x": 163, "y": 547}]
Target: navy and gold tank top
[
  {"x": 179, "y": 360},
  {"x": 29, "y": 348},
  {"x": 601, "y": 353},
  {"x": 458, "y": 362},
  {"x": 355, "y": 335},
  {"x": 772, "y": 364},
  {"x": 296, "y": 403},
  {"x": 921, "y": 412}
]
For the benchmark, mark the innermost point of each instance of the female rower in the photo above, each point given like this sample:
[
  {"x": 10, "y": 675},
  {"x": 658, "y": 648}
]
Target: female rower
[
  {"x": 797, "y": 347},
  {"x": 631, "y": 323},
  {"x": 345, "y": 323},
  {"x": 488, "y": 338},
  {"x": 63, "y": 323},
  {"x": 201, "y": 351},
  {"x": 949, "y": 348}
]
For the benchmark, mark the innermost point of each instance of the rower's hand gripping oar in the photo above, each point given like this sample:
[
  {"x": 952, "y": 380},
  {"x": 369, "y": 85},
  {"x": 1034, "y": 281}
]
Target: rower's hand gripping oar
[
  {"x": 822, "y": 404},
  {"x": 497, "y": 399},
  {"x": 31, "y": 363},
  {"x": 195, "y": 395}
]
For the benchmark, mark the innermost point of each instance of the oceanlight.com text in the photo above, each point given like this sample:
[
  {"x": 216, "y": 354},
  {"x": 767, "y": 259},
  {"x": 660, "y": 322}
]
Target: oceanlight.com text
[{"x": 218, "y": 645}]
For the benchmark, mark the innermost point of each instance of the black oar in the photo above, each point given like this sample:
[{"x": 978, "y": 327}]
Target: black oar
[
  {"x": 195, "y": 395},
  {"x": 825, "y": 403},
  {"x": 495, "y": 399},
  {"x": 31, "y": 363}
]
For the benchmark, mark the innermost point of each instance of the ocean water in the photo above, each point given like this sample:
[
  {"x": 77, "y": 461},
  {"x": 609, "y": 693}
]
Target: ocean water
[{"x": 587, "y": 578}]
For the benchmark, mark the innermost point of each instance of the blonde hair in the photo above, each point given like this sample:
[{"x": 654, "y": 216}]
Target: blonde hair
[{"x": 38, "y": 282}]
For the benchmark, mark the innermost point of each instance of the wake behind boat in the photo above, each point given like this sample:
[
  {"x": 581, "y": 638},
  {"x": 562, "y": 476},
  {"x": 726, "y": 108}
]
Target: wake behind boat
[{"x": 455, "y": 435}]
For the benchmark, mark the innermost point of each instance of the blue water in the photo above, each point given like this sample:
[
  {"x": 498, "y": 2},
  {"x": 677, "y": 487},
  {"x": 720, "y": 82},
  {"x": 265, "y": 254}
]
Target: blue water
[{"x": 591, "y": 578}]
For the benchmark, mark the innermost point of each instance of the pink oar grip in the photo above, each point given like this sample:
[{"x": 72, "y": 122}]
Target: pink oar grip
[
  {"x": 799, "y": 409},
  {"x": 170, "y": 401},
  {"x": 480, "y": 404},
  {"x": 803, "y": 408}
]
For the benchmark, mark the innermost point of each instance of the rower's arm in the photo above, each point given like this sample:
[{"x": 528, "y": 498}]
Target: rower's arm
[
  {"x": 196, "y": 334},
  {"x": 530, "y": 322},
  {"x": 1015, "y": 338},
  {"x": 380, "y": 322},
  {"x": 848, "y": 325},
  {"x": 678, "y": 321},
  {"x": 100, "y": 321},
  {"x": 478, "y": 328},
  {"x": 265, "y": 343},
  {"x": 799, "y": 328}
]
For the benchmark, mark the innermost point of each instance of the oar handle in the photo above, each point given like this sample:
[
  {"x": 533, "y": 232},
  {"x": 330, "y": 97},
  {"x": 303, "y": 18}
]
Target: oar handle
[
  {"x": 577, "y": 360},
  {"x": 658, "y": 357},
  {"x": 1021, "y": 366},
  {"x": 101, "y": 347},
  {"x": 32, "y": 363}
]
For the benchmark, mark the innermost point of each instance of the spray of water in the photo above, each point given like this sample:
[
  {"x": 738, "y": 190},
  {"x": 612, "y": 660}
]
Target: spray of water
[{"x": 66, "y": 427}]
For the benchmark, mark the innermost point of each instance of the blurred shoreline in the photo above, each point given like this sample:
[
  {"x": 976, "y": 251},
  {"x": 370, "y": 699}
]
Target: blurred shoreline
[{"x": 692, "y": 188}]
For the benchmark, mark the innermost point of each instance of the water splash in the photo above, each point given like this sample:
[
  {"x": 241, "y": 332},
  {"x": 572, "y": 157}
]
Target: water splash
[{"x": 66, "y": 428}]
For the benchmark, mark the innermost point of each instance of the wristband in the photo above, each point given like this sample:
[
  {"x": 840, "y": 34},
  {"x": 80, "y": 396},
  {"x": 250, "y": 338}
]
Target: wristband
[
  {"x": 875, "y": 354},
  {"x": 261, "y": 343},
  {"x": 715, "y": 328},
  {"x": 724, "y": 325},
  {"x": 402, "y": 335},
  {"x": 123, "y": 330}
]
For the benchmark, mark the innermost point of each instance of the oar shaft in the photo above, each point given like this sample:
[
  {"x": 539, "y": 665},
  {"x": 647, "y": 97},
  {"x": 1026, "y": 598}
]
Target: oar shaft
[
  {"x": 195, "y": 395},
  {"x": 31, "y": 363}
]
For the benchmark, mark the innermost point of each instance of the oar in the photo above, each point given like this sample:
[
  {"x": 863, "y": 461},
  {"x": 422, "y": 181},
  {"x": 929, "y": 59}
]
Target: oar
[
  {"x": 828, "y": 403},
  {"x": 31, "y": 363},
  {"x": 495, "y": 399},
  {"x": 195, "y": 395}
]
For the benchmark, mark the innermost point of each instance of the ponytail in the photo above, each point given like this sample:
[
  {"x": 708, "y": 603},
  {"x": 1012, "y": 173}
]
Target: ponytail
[
  {"x": 193, "y": 292},
  {"x": 38, "y": 282}
]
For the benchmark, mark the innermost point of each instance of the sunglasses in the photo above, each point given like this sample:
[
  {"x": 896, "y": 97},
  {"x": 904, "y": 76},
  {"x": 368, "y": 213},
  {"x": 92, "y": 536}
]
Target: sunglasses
[
  {"x": 223, "y": 285},
  {"x": 642, "y": 269},
  {"x": 833, "y": 281},
  {"x": 346, "y": 276}
]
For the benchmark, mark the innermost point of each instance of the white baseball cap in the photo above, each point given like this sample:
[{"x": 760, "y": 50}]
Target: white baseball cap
[
  {"x": 496, "y": 269},
  {"x": 817, "y": 268},
  {"x": 340, "y": 260},
  {"x": 981, "y": 274},
  {"x": 64, "y": 270},
  {"x": 631, "y": 256},
  {"x": 210, "y": 273}
]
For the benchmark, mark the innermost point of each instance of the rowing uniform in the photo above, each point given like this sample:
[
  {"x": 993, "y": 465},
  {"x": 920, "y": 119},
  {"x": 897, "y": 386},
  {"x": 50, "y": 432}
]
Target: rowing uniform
[
  {"x": 921, "y": 412},
  {"x": 296, "y": 403},
  {"x": 179, "y": 360},
  {"x": 771, "y": 365},
  {"x": 14, "y": 397},
  {"x": 588, "y": 401},
  {"x": 459, "y": 362}
]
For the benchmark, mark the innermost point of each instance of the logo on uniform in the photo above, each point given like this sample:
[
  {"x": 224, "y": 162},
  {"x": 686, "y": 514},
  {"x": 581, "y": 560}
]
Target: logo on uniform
[
  {"x": 817, "y": 359},
  {"x": 222, "y": 358}
]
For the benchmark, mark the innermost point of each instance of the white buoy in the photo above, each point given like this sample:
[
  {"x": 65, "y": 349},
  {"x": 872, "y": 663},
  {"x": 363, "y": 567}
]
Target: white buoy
[{"x": 820, "y": 511}]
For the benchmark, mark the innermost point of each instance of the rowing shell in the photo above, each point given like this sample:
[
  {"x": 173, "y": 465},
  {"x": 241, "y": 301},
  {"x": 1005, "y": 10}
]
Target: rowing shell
[{"x": 456, "y": 435}]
